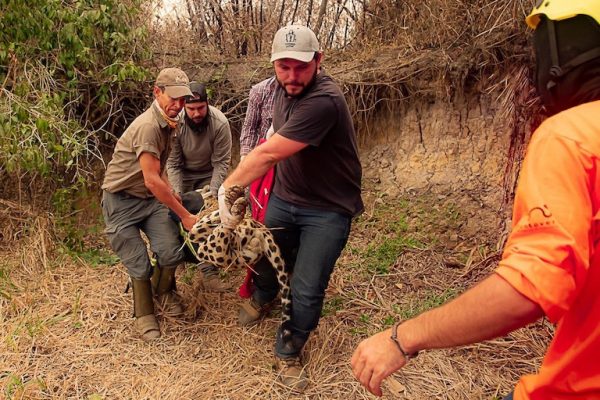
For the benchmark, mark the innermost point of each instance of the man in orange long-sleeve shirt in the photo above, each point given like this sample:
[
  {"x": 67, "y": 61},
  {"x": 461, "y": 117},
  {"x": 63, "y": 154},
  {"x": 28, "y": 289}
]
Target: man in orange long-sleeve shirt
[{"x": 551, "y": 263}]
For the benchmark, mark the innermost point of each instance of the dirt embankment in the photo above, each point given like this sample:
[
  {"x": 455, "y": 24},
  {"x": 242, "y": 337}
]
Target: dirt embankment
[{"x": 469, "y": 148}]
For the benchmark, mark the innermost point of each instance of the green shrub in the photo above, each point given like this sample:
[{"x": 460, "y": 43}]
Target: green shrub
[{"x": 60, "y": 65}]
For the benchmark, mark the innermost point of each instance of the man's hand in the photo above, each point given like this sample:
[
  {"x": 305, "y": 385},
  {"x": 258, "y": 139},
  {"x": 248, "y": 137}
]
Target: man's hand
[
  {"x": 375, "y": 359},
  {"x": 206, "y": 190},
  {"x": 189, "y": 221}
]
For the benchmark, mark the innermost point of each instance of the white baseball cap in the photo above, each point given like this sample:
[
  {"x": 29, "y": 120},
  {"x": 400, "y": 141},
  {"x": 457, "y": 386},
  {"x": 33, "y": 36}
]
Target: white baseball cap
[{"x": 294, "y": 41}]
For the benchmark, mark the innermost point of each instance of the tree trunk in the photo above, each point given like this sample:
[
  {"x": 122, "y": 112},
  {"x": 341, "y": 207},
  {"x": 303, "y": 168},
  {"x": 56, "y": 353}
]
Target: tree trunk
[
  {"x": 295, "y": 11},
  {"x": 338, "y": 13},
  {"x": 322, "y": 10},
  {"x": 280, "y": 24}
]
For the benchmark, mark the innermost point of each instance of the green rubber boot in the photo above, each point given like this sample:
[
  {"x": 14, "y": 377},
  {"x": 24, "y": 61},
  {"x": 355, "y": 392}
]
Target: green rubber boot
[
  {"x": 163, "y": 283},
  {"x": 143, "y": 310}
]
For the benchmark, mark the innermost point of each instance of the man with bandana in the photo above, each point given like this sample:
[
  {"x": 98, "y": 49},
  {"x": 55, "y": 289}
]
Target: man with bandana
[
  {"x": 137, "y": 197},
  {"x": 200, "y": 158},
  {"x": 315, "y": 196}
]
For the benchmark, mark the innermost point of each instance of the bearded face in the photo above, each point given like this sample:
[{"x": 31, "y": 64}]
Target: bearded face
[
  {"x": 196, "y": 114},
  {"x": 296, "y": 76}
]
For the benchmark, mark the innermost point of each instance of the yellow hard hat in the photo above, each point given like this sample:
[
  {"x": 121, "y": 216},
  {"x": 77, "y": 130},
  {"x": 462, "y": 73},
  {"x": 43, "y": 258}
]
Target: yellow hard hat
[{"x": 557, "y": 10}]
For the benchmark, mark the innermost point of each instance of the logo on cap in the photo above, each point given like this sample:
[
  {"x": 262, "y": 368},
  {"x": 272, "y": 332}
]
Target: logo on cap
[
  {"x": 180, "y": 79},
  {"x": 290, "y": 39}
]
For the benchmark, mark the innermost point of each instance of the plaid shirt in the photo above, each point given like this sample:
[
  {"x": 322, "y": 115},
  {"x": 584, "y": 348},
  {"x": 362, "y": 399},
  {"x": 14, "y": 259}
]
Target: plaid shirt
[{"x": 259, "y": 114}]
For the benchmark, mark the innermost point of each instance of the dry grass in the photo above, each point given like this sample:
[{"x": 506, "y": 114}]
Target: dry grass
[{"x": 65, "y": 324}]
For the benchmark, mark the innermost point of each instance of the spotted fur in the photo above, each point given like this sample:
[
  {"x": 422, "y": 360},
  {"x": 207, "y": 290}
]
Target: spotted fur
[{"x": 244, "y": 245}]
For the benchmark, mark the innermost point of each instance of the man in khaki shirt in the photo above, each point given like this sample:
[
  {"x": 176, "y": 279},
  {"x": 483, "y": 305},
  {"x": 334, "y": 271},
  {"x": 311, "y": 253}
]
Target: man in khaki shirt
[{"x": 136, "y": 197}]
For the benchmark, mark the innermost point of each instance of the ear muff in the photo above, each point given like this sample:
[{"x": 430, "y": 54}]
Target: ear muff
[{"x": 561, "y": 48}]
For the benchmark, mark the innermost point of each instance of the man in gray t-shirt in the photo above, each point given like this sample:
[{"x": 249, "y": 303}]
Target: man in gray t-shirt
[
  {"x": 315, "y": 196},
  {"x": 200, "y": 159}
]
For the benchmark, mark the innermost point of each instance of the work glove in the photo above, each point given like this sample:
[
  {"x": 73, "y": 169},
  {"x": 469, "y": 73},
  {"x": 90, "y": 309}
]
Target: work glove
[
  {"x": 205, "y": 191},
  {"x": 227, "y": 220}
]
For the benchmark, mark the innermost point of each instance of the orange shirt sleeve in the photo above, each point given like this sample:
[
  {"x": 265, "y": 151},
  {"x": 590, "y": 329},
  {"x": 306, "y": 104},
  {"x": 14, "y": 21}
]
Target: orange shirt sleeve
[{"x": 546, "y": 257}]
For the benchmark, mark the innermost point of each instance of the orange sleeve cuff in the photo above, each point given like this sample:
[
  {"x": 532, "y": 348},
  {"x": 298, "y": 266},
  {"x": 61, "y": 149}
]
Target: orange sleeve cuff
[{"x": 552, "y": 289}]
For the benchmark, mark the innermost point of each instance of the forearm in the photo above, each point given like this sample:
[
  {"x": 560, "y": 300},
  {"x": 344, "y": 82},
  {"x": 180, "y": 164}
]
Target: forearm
[
  {"x": 175, "y": 179},
  {"x": 163, "y": 192},
  {"x": 254, "y": 165},
  {"x": 262, "y": 158},
  {"x": 174, "y": 166},
  {"x": 490, "y": 309}
]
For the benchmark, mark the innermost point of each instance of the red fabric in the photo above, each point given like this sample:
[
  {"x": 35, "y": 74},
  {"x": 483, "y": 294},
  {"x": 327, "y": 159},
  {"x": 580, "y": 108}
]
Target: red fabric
[
  {"x": 260, "y": 190},
  {"x": 246, "y": 289}
]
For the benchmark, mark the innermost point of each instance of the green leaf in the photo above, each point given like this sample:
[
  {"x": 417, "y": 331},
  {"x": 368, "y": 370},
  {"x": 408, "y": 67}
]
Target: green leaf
[{"x": 42, "y": 125}]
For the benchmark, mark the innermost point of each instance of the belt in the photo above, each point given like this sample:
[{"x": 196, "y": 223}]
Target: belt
[{"x": 124, "y": 195}]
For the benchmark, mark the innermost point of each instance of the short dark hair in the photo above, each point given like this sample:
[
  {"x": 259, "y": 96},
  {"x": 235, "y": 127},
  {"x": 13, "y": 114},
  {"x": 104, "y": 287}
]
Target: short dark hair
[{"x": 199, "y": 91}]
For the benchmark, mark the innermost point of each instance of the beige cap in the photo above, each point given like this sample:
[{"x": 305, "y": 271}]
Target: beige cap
[
  {"x": 294, "y": 41},
  {"x": 175, "y": 82}
]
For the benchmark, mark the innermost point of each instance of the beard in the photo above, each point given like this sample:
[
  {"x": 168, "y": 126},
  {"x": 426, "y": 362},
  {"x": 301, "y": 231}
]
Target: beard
[
  {"x": 197, "y": 126},
  {"x": 305, "y": 88}
]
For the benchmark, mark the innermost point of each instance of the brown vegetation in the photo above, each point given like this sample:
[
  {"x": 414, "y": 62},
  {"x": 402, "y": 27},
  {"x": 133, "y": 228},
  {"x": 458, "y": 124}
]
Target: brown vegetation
[{"x": 401, "y": 54}]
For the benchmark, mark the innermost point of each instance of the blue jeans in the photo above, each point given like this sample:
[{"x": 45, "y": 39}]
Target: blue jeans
[
  {"x": 310, "y": 241},
  {"x": 509, "y": 397}
]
